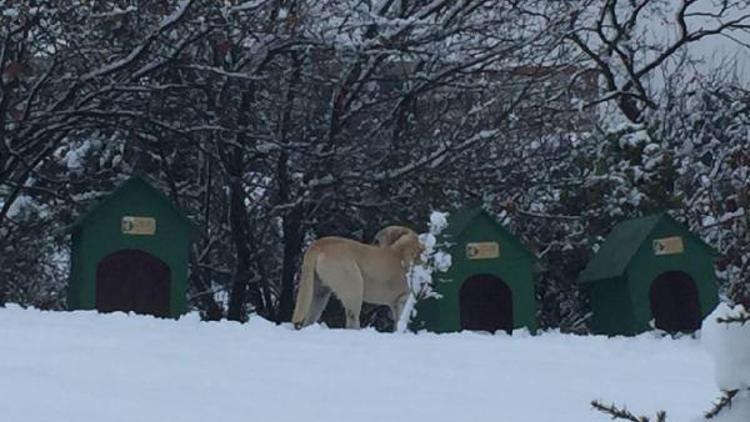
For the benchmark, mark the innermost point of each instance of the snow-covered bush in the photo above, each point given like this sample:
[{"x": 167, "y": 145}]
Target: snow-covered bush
[
  {"x": 35, "y": 228},
  {"x": 420, "y": 277},
  {"x": 34, "y": 268},
  {"x": 726, "y": 333}
]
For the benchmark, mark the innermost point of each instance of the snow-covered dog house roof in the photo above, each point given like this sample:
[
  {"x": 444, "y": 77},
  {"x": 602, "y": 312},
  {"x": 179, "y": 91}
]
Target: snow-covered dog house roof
[
  {"x": 490, "y": 284},
  {"x": 650, "y": 268},
  {"x": 130, "y": 253}
]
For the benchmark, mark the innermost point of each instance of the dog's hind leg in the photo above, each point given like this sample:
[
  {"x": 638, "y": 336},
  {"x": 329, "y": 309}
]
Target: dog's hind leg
[
  {"x": 321, "y": 295},
  {"x": 352, "y": 297},
  {"x": 345, "y": 279},
  {"x": 352, "y": 314}
]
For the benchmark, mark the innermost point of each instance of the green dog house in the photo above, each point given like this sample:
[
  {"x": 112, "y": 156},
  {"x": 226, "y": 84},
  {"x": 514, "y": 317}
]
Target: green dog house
[
  {"x": 130, "y": 253},
  {"x": 650, "y": 268},
  {"x": 490, "y": 285}
]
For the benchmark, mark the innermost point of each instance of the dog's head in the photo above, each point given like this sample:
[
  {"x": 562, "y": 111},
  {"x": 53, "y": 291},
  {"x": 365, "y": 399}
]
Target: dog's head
[
  {"x": 387, "y": 236},
  {"x": 410, "y": 248}
]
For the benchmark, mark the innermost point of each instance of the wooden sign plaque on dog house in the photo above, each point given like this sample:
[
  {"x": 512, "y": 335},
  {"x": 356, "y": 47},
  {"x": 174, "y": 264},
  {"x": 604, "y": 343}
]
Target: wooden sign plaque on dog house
[
  {"x": 482, "y": 250},
  {"x": 142, "y": 226},
  {"x": 669, "y": 246}
]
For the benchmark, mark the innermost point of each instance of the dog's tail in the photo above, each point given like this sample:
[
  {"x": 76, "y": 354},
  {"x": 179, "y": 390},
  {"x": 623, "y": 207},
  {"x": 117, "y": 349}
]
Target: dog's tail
[{"x": 306, "y": 287}]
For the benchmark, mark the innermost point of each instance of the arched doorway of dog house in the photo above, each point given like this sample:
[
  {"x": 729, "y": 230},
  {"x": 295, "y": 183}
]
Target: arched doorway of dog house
[
  {"x": 486, "y": 304},
  {"x": 133, "y": 280},
  {"x": 675, "y": 306}
]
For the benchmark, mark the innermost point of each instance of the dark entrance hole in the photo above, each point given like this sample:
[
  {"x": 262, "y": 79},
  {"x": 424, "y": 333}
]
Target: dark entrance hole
[
  {"x": 674, "y": 303},
  {"x": 133, "y": 280},
  {"x": 486, "y": 304}
]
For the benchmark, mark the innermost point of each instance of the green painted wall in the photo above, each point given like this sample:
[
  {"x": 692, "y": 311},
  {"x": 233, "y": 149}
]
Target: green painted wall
[
  {"x": 611, "y": 307},
  {"x": 515, "y": 266},
  {"x": 645, "y": 267},
  {"x": 99, "y": 234}
]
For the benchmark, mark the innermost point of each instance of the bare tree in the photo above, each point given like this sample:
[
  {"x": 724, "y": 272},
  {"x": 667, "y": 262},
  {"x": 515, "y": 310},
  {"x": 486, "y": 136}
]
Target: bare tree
[{"x": 613, "y": 36}]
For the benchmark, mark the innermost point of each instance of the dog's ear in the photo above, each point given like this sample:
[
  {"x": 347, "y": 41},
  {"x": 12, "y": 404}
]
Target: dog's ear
[
  {"x": 409, "y": 246},
  {"x": 390, "y": 235}
]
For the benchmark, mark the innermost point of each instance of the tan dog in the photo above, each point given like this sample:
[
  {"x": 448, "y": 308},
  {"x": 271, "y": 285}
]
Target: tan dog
[{"x": 356, "y": 273}]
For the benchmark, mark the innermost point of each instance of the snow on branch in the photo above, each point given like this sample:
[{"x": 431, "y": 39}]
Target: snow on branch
[
  {"x": 623, "y": 414},
  {"x": 166, "y": 23}
]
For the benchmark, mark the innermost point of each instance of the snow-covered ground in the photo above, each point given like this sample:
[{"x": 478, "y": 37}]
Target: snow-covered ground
[{"x": 82, "y": 366}]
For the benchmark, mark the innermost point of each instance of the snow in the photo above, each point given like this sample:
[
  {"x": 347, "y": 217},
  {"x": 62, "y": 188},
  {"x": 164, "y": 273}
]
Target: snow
[
  {"x": 171, "y": 19},
  {"x": 729, "y": 344},
  {"x": 82, "y": 366},
  {"x": 442, "y": 260},
  {"x": 74, "y": 157},
  {"x": 651, "y": 149},
  {"x": 21, "y": 204},
  {"x": 634, "y": 139},
  {"x": 438, "y": 221}
]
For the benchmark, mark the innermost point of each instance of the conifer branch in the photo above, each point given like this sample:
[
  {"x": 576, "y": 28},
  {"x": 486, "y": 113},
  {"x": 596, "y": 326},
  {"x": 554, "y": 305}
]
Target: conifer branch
[
  {"x": 741, "y": 318},
  {"x": 623, "y": 414},
  {"x": 725, "y": 401}
]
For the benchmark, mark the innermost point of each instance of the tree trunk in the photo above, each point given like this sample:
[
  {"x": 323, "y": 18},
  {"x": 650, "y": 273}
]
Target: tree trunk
[
  {"x": 293, "y": 237},
  {"x": 292, "y": 225},
  {"x": 238, "y": 223},
  {"x": 243, "y": 290}
]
